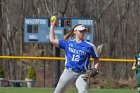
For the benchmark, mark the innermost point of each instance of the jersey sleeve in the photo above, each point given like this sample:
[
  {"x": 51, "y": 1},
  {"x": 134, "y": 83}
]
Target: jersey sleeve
[
  {"x": 93, "y": 52},
  {"x": 62, "y": 44}
]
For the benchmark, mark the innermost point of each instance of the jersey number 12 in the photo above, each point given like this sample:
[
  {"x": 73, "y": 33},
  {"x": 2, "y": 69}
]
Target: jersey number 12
[{"x": 75, "y": 58}]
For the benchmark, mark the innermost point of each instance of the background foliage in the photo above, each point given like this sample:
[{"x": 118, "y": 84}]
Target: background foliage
[{"x": 31, "y": 73}]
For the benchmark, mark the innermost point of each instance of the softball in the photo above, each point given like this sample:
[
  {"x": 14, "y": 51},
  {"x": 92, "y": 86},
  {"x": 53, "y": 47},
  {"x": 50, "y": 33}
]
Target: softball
[{"x": 53, "y": 18}]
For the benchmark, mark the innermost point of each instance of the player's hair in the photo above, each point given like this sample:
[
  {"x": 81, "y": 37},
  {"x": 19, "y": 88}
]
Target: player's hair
[{"x": 70, "y": 33}]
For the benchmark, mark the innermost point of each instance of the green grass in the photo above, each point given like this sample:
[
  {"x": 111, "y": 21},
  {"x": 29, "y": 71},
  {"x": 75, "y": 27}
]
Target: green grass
[{"x": 70, "y": 90}]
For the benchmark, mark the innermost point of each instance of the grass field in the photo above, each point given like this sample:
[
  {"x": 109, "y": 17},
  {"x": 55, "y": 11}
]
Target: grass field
[{"x": 71, "y": 90}]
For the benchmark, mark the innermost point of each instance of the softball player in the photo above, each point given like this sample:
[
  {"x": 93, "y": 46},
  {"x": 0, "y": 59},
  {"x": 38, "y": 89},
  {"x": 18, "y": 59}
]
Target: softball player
[
  {"x": 136, "y": 66},
  {"x": 78, "y": 52}
]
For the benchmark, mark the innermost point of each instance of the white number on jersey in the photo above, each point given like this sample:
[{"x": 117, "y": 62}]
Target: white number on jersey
[{"x": 76, "y": 58}]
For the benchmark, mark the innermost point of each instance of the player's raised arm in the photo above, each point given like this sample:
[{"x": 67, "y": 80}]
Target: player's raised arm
[{"x": 52, "y": 36}]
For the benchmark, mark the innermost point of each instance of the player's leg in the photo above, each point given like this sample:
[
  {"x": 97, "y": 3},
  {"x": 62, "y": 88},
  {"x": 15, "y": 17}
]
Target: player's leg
[
  {"x": 138, "y": 78},
  {"x": 81, "y": 84},
  {"x": 139, "y": 89},
  {"x": 65, "y": 80}
]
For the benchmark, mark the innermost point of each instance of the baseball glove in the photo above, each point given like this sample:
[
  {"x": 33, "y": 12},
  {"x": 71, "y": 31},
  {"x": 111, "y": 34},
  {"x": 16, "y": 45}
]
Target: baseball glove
[{"x": 92, "y": 73}]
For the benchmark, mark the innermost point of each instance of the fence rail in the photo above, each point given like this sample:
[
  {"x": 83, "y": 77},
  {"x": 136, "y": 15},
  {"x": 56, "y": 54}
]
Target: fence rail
[{"x": 62, "y": 58}]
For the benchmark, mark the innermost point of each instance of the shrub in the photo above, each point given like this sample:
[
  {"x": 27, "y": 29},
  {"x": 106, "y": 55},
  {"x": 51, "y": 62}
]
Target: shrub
[
  {"x": 31, "y": 73},
  {"x": 1, "y": 72}
]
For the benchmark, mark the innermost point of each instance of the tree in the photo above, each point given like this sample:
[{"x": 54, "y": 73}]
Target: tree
[{"x": 1, "y": 72}]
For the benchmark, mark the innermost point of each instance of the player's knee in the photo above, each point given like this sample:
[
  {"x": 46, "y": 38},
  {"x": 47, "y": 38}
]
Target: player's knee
[{"x": 138, "y": 88}]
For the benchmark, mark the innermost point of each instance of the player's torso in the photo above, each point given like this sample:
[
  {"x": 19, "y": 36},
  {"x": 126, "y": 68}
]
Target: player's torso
[{"x": 77, "y": 54}]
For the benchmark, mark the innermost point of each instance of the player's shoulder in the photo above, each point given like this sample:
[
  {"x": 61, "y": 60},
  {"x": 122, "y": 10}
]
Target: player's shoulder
[
  {"x": 66, "y": 40},
  {"x": 89, "y": 44},
  {"x": 71, "y": 41},
  {"x": 137, "y": 56}
]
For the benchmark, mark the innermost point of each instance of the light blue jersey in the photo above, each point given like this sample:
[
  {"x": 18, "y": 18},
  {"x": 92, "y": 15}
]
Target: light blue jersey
[{"x": 78, "y": 54}]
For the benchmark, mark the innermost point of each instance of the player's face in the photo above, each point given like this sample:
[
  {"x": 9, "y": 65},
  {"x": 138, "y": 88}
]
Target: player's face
[{"x": 80, "y": 34}]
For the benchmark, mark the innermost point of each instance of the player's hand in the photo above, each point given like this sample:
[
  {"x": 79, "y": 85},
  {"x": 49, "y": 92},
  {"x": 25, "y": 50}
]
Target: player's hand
[
  {"x": 134, "y": 68},
  {"x": 53, "y": 23}
]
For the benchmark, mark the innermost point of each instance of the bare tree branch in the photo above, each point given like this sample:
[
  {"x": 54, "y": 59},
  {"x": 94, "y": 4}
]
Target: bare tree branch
[
  {"x": 48, "y": 10},
  {"x": 104, "y": 10}
]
